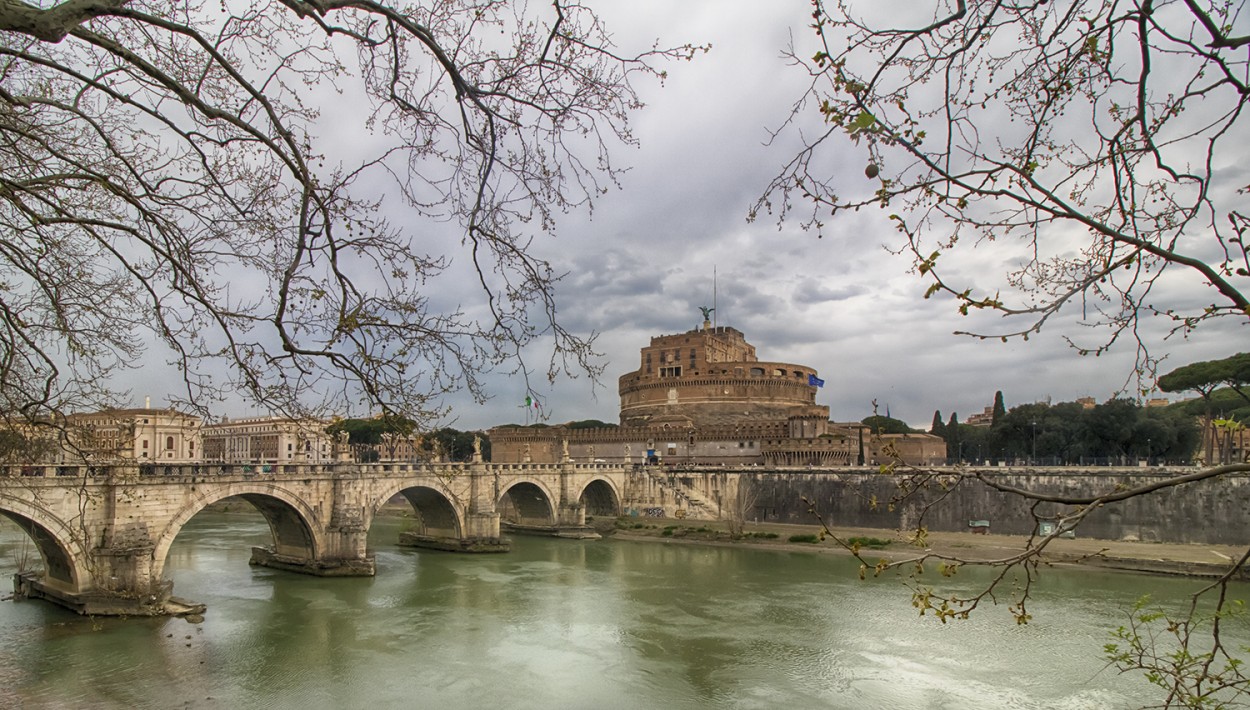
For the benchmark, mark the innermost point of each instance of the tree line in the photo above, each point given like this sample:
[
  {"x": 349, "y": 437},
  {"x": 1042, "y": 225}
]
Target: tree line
[
  {"x": 1116, "y": 431},
  {"x": 393, "y": 437}
]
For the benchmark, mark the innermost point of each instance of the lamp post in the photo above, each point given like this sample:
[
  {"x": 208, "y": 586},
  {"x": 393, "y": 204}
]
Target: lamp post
[
  {"x": 1148, "y": 450},
  {"x": 1034, "y": 459}
]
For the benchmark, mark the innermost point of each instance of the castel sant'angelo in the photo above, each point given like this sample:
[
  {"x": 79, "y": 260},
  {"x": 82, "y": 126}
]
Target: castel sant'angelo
[{"x": 703, "y": 397}]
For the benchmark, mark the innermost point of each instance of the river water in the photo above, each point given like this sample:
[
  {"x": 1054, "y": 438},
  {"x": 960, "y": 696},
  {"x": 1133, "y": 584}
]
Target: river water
[{"x": 563, "y": 624}]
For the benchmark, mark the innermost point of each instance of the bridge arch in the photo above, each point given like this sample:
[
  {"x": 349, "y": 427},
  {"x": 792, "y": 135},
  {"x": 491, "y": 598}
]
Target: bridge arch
[
  {"x": 288, "y": 516},
  {"x": 527, "y": 502},
  {"x": 437, "y": 514},
  {"x": 600, "y": 498},
  {"x": 62, "y": 557}
]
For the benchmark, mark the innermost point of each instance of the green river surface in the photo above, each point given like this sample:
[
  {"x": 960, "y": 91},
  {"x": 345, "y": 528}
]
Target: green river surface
[{"x": 565, "y": 624}]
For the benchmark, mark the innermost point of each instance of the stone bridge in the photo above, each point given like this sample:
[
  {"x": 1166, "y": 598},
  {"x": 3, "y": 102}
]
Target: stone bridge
[{"x": 104, "y": 531}]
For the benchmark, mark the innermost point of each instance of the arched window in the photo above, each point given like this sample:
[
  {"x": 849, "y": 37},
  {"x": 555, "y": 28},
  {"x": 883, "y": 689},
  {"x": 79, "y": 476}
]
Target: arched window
[{"x": 169, "y": 442}]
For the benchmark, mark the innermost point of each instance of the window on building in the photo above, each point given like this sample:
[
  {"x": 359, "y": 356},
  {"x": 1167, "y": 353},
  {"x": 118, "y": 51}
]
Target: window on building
[
  {"x": 169, "y": 442},
  {"x": 757, "y": 372},
  {"x": 670, "y": 371},
  {"x": 145, "y": 443}
]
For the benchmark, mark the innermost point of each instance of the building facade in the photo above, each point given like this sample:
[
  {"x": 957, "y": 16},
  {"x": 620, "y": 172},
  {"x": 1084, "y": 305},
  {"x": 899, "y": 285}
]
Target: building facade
[
  {"x": 268, "y": 440},
  {"x": 156, "y": 435}
]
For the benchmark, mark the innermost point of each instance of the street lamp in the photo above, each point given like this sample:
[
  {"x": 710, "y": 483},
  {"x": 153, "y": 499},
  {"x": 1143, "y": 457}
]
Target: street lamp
[
  {"x": 1147, "y": 451},
  {"x": 1034, "y": 461}
]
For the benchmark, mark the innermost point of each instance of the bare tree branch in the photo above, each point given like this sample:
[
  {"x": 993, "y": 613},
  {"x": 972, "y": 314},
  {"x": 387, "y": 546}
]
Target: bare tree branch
[
  {"x": 165, "y": 174},
  {"x": 1056, "y": 133}
]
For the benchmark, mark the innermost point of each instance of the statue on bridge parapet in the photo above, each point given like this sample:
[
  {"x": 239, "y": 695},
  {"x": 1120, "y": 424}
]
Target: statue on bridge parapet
[{"x": 342, "y": 450}]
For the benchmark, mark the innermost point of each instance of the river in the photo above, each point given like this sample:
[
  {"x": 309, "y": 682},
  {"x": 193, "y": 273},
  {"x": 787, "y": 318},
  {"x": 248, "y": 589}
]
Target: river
[{"x": 563, "y": 624}]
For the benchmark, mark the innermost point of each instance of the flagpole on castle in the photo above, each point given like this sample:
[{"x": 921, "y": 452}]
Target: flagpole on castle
[
  {"x": 530, "y": 404},
  {"x": 714, "y": 316}
]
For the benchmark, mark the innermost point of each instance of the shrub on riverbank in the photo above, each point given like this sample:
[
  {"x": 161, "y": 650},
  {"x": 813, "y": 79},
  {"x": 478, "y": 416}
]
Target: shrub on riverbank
[{"x": 874, "y": 543}]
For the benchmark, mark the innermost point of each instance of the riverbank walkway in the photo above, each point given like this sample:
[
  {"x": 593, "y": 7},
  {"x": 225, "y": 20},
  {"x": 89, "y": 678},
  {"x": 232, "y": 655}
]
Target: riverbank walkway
[{"x": 1191, "y": 560}]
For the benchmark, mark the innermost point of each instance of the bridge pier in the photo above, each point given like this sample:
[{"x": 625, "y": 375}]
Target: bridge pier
[
  {"x": 446, "y": 526},
  {"x": 123, "y": 586},
  {"x": 364, "y": 566},
  {"x": 568, "y": 512},
  {"x": 480, "y": 531},
  {"x": 571, "y": 513},
  {"x": 99, "y": 602},
  {"x": 480, "y": 534},
  {"x": 572, "y": 522},
  {"x": 344, "y": 550},
  {"x": 118, "y": 577}
]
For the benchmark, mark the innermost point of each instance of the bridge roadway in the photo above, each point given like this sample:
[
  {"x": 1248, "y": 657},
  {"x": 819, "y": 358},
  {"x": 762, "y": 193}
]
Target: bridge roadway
[{"x": 104, "y": 531}]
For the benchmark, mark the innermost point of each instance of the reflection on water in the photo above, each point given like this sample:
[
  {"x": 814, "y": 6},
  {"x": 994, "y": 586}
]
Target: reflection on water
[{"x": 563, "y": 624}]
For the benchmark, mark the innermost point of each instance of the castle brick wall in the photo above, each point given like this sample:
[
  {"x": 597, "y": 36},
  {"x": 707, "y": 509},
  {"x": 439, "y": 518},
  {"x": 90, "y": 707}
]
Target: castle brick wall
[{"x": 718, "y": 399}]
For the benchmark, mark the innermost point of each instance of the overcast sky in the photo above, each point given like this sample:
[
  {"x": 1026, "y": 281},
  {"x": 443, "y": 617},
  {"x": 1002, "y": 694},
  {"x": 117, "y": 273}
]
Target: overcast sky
[{"x": 643, "y": 264}]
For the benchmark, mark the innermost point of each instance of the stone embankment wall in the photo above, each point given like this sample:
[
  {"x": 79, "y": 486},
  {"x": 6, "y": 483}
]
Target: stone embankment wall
[{"x": 1213, "y": 512}]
